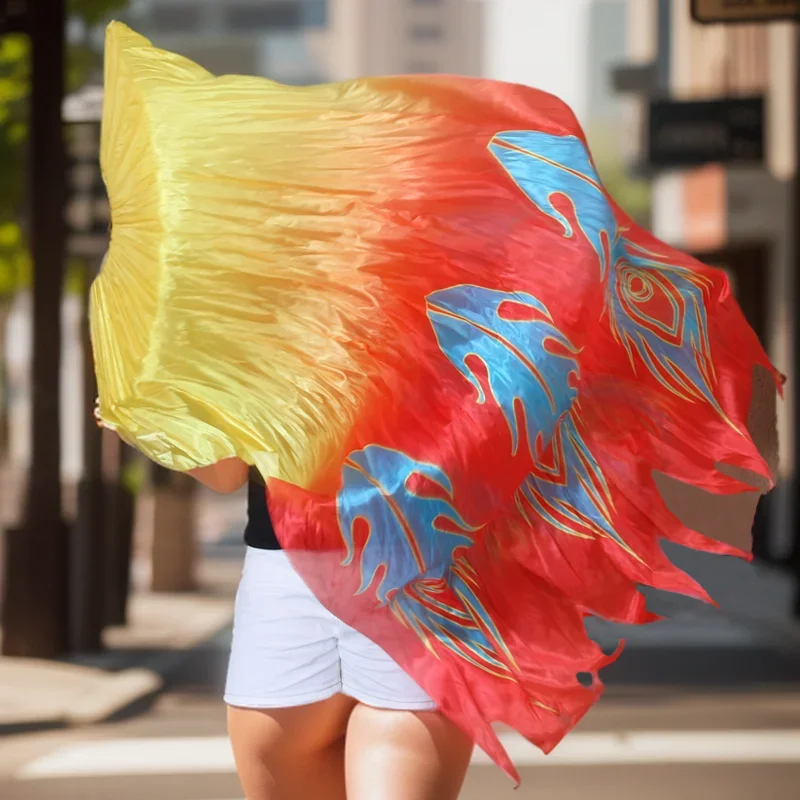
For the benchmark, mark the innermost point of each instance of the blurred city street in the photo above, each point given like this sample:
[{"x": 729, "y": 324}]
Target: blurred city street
[
  {"x": 659, "y": 745},
  {"x": 118, "y": 577},
  {"x": 698, "y": 708}
]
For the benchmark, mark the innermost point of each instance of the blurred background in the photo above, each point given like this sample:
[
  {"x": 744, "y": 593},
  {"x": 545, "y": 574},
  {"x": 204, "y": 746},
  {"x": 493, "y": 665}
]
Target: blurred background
[{"x": 117, "y": 579}]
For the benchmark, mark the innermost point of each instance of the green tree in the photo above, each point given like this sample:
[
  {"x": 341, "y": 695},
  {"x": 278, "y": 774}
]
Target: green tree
[
  {"x": 634, "y": 194},
  {"x": 14, "y": 89}
]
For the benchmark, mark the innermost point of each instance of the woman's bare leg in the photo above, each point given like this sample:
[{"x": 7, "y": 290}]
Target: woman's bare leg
[
  {"x": 404, "y": 755},
  {"x": 291, "y": 753}
]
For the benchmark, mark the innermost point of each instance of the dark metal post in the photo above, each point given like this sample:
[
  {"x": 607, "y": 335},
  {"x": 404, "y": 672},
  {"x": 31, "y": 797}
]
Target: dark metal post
[
  {"x": 119, "y": 526},
  {"x": 794, "y": 493},
  {"x": 35, "y": 604},
  {"x": 88, "y": 579}
]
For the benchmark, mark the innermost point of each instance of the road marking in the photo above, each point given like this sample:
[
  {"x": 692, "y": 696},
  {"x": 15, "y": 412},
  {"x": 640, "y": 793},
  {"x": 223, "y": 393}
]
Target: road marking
[
  {"x": 146, "y": 756},
  {"x": 184, "y": 756},
  {"x": 657, "y": 747}
]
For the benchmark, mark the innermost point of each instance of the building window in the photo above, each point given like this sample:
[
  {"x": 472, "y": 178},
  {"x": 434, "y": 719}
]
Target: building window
[
  {"x": 423, "y": 31},
  {"x": 286, "y": 57},
  {"x": 272, "y": 16},
  {"x": 422, "y": 68},
  {"x": 168, "y": 18}
]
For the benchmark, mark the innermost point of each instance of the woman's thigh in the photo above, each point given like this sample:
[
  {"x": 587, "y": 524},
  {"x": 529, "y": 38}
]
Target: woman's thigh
[
  {"x": 287, "y": 717},
  {"x": 291, "y": 753},
  {"x": 404, "y": 755}
]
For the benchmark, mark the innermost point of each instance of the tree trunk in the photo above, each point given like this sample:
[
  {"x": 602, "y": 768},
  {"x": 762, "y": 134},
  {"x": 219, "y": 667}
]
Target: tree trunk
[{"x": 172, "y": 519}]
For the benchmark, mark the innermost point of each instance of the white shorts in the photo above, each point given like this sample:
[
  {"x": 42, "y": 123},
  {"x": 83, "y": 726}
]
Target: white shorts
[{"x": 289, "y": 650}]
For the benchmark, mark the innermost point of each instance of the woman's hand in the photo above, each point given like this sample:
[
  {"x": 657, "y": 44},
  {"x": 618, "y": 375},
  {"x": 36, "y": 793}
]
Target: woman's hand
[{"x": 224, "y": 477}]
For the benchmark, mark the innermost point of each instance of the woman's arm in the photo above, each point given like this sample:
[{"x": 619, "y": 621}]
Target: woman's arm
[{"x": 225, "y": 476}]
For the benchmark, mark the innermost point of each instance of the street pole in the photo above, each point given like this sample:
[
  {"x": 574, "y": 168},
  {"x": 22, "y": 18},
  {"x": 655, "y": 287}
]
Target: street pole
[
  {"x": 794, "y": 493},
  {"x": 35, "y": 618},
  {"x": 88, "y": 578},
  {"x": 119, "y": 525}
]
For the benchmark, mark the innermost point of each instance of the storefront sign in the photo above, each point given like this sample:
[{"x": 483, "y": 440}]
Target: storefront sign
[
  {"x": 715, "y": 11},
  {"x": 690, "y": 134}
]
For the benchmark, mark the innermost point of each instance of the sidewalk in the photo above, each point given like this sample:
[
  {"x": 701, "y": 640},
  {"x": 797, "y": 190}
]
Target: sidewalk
[{"x": 163, "y": 630}]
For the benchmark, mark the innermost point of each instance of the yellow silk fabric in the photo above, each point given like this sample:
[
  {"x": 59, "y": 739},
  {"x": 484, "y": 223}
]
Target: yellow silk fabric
[{"x": 220, "y": 326}]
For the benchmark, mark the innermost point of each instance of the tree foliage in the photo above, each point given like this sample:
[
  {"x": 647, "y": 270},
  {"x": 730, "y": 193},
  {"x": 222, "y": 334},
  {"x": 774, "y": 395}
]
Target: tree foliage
[
  {"x": 14, "y": 91},
  {"x": 633, "y": 194}
]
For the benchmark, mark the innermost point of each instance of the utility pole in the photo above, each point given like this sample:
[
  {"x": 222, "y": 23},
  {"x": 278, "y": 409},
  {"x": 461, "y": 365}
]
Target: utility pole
[{"x": 35, "y": 616}]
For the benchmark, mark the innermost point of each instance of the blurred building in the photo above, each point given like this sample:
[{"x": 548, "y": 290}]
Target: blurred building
[
  {"x": 546, "y": 44},
  {"x": 383, "y": 37},
  {"x": 736, "y": 214},
  {"x": 309, "y": 41},
  {"x": 605, "y": 49},
  {"x": 280, "y": 38}
]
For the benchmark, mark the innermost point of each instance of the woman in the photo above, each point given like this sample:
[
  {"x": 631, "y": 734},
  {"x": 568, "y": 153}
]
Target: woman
[
  {"x": 411, "y": 304},
  {"x": 316, "y": 711}
]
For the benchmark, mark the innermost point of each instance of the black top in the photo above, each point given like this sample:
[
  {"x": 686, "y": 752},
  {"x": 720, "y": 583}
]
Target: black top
[{"x": 259, "y": 532}]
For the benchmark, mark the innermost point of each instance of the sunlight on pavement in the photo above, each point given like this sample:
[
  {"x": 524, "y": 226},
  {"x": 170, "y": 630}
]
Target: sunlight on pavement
[{"x": 192, "y": 755}]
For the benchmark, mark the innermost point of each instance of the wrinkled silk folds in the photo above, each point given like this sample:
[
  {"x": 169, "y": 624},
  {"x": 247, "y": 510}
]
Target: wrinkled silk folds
[{"x": 411, "y": 303}]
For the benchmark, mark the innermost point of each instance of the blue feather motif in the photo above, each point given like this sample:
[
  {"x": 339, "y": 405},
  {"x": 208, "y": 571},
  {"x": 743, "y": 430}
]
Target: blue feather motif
[
  {"x": 529, "y": 361},
  {"x": 566, "y": 487},
  {"x": 405, "y": 540},
  {"x": 413, "y": 561},
  {"x": 450, "y": 610},
  {"x": 657, "y": 309},
  {"x": 673, "y": 344},
  {"x": 544, "y": 166},
  {"x": 658, "y": 314}
]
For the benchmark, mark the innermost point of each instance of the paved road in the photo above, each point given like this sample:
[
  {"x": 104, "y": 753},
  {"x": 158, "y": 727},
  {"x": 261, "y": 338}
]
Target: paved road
[
  {"x": 658, "y": 746},
  {"x": 678, "y": 743}
]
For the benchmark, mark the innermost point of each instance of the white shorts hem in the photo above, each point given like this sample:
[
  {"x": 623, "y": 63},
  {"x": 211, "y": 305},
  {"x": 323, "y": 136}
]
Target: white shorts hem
[
  {"x": 391, "y": 705},
  {"x": 292, "y": 701},
  {"x": 284, "y": 701}
]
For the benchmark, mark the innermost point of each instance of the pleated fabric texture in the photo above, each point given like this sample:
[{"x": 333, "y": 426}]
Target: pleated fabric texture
[{"x": 411, "y": 303}]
